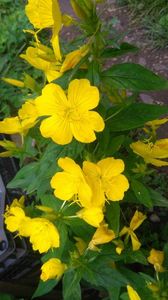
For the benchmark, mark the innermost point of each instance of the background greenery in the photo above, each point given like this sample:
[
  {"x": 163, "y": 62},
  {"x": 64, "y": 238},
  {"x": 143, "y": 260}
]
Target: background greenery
[{"x": 153, "y": 15}]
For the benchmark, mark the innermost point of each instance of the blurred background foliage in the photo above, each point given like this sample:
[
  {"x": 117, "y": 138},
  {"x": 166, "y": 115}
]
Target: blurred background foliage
[
  {"x": 153, "y": 16},
  {"x": 12, "y": 43}
]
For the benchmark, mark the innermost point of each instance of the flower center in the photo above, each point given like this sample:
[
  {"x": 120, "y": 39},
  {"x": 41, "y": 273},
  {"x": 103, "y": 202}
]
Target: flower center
[{"x": 72, "y": 114}]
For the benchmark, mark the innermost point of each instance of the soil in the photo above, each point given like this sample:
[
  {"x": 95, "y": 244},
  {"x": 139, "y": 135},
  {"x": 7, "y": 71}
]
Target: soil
[{"x": 152, "y": 58}]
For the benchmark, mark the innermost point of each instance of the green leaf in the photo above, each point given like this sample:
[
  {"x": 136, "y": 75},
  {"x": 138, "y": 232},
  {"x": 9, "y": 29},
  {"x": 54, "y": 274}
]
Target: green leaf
[
  {"x": 62, "y": 251},
  {"x": 101, "y": 273},
  {"x": 114, "y": 293},
  {"x": 115, "y": 144},
  {"x": 51, "y": 201},
  {"x": 71, "y": 285},
  {"x": 165, "y": 249},
  {"x": 113, "y": 216},
  {"x": 93, "y": 73},
  {"x": 4, "y": 296},
  {"x": 133, "y": 77},
  {"x": 137, "y": 282},
  {"x": 141, "y": 193},
  {"x": 124, "y": 48},
  {"x": 81, "y": 228},
  {"x": 63, "y": 80},
  {"x": 134, "y": 116},
  {"x": 25, "y": 177},
  {"x": 44, "y": 287},
  {"x": 135, "y": 257},
  {"x": 158, "y": 199}
]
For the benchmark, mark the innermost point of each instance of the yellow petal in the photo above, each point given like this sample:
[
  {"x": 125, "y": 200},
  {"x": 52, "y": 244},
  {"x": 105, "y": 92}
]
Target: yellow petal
[
  {"x": 83, "y": 95},
  {"x": 156, "y": 258},
  {"x": 93, "y": 174},
  {"x": 160, "y": 148},
  {"x": 64, "y": 185},
  {"x": 53, "y": 100},
  {"x": 56, "y": 47},
  {"x": 157, "y": 122},
  {"x": 124, "y": 231},
  {"x": 135, "y": 242},
  {"x": 93, "y": 215},
  {"x": 52, "y": 269},
  {"x": 43, "y": 235},
  {"x": 116, "y": 187},
  {"x": 96, "y": 121},
  {"x": 57, "y": 17},
  {"x": 39, "y": 13},
  {"x": 52, "y": 75},
  {"x": 102, "y": 235},
  {"x": 28, "y": 111},
  {"x": 137, "y": 220},
  {"x": 156, "y": 162},
  {"x": 152, "y": 152},
  {"x": 71, "y": 182},
  {"x": 57, "y": 129},
  {"x": 73, "y": 58},
  {"x": 111, "y": 167},
  {"x": 133, "y": 295},
  {"x": 33, "y": 58},
  {"x": 10, "y": 125},
  {"x": 83, "y": 129}
]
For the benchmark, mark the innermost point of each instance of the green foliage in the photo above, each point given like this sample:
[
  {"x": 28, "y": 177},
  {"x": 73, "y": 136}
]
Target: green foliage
[
  {"x": 153, "y": 15},
  {"x": 12, "y": 43},
  {"x": 133, "y": 77},
  {"x": 133, "y": 116}
]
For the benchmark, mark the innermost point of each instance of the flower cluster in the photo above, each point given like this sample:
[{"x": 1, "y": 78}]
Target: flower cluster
[
  {"x": 42, "y": 233},
  {"x": 82, "y": 174},
  {"x": 90, "y": 186}
]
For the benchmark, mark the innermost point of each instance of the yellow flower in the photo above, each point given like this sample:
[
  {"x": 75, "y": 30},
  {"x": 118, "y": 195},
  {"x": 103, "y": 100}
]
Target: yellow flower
[
  {"x": 43, "y": 14},
  {"x": 11, "y": 148},
  {"x": 92, "y": 215},
  {"x": 14, "y": 82},
  {"x": 43, "y": 58},
  {"x": 43, "y": 234},
  {"x": 26, "y": 119},
  {"x": 71, "y": 182},
  {"x": 70, "y": 116},
  {"x": 102, "y": 235},
  {"x": 15, "y": 218},
  {"x": 156, "y": 258},
  {"x": 73, "y": 58},
  {"x": 52, "y": 269},
  {"x": 133, "y": 295},
  {"x": 106, "y": 179},
  {"x": 136, "y": 221},
  {"x": 152, "y": 153}
]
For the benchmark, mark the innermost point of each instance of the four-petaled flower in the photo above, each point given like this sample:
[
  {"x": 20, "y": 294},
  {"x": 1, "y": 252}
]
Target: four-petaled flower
[
  {"x": 136, "y": 221},
  {"x": 70, "y": 116}
]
